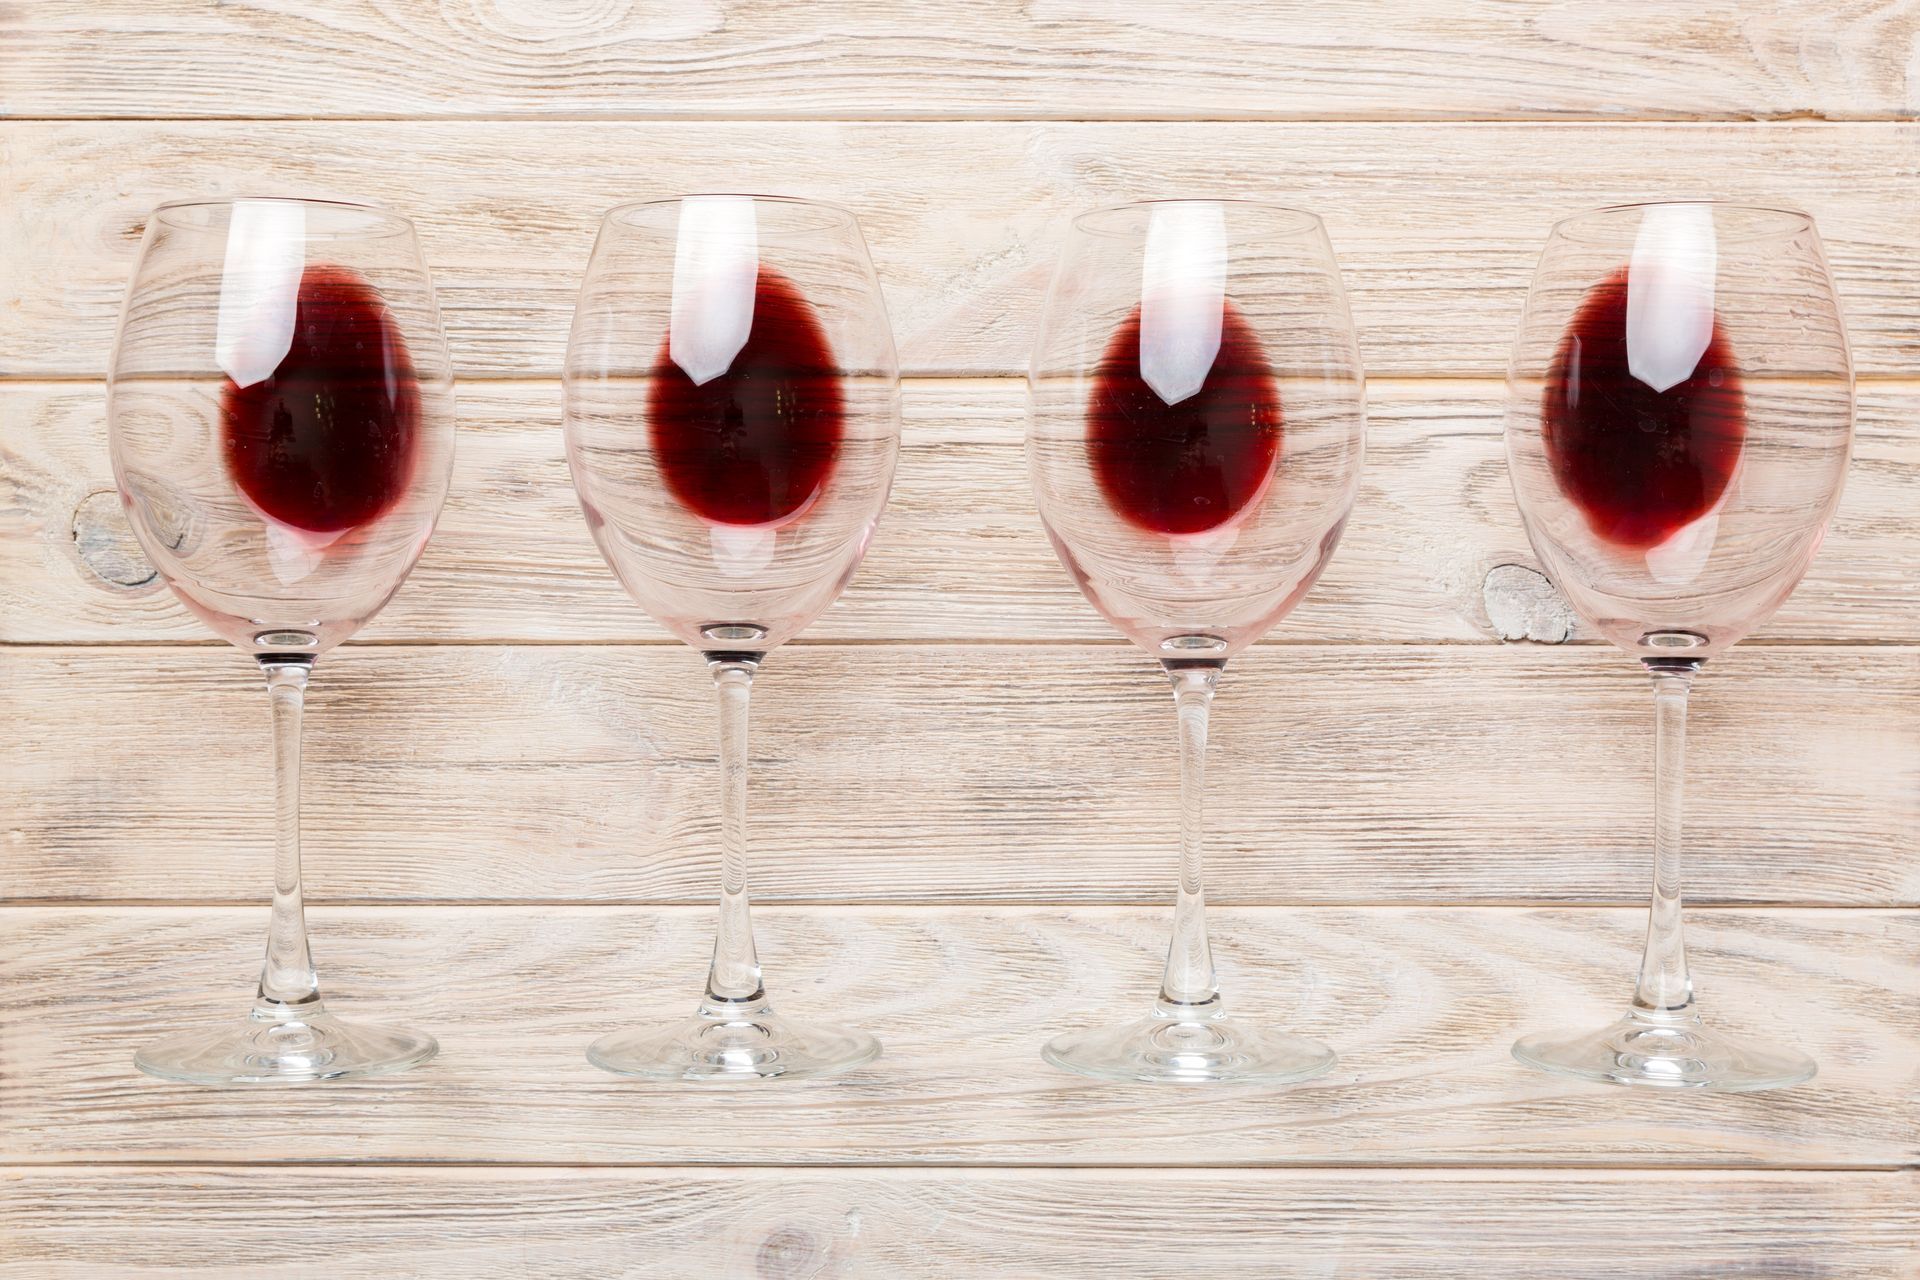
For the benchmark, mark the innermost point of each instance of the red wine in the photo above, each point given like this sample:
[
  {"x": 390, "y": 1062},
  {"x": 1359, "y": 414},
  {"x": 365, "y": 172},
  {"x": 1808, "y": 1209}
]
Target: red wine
[
  {"x": 1639, "y": 463},
  {"x": 1191, "y": 466},
  {"x": 327, "y": 440},
  {"x": 755, "y": 444}
]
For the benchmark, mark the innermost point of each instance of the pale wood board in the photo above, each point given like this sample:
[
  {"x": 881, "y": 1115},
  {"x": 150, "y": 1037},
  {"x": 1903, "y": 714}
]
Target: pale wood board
[
  {"x": 960, "y": 554},
  {"x": 1422, "y": 843},
  {"x": 1422, "y": 1004},
  {"x": 1438, "y": 226},
  {"x": 1073, "y": 59},
  {"x": 787, "y": 1224},
  {"x": 955, "y": 773}
]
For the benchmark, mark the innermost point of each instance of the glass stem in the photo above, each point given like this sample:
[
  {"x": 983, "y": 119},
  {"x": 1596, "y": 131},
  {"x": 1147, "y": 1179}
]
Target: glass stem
[
  {"x": 1189, "y": 988},
  {"x": 733, "y": 981},
  {"x": 288, "y": 984},
  {"x": 1665, "y": 990}
]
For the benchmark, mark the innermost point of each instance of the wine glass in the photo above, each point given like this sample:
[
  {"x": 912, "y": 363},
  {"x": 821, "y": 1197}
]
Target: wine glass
[
  {"x": 1198, "y": 420},
  {"x": 1679, "y": 421},
  {"x": 280, "y": 408},
  {"x": 732, "y": 420}
]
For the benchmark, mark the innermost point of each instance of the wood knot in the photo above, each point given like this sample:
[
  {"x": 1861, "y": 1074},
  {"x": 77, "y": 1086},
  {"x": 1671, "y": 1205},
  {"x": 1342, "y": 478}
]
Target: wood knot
[
  {"x": 106, "y": 544},
  {"x": 788, "y": 1253},
  {"x": 1523, "y": 605}
]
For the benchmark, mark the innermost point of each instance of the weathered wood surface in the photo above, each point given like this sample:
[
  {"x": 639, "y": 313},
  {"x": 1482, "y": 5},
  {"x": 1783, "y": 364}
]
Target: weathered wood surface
[
  {"x": 955, "y": 773},
  {"x": 1071, "y": 59},
  {"x": 785, "y": 1224},
  {"x": 1438, "y": 226},
  {"x": 960, "y": 763},
  {"x": 1434, "y": 551},
  {"x": 1421, "y": 1004}
]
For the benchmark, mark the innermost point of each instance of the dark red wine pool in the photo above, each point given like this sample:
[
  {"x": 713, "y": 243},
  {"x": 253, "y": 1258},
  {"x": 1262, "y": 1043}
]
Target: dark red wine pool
[
  {"x": 1639, "y": 463},
  {"x": 327, "y": 441},
  {"x": 755, "y": 444},
  {"x": 1191, "y": 466}
]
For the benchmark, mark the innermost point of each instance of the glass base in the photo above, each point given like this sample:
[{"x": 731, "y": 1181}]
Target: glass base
[
  {"x": 1665, "y": 1054},
  {"x": 748, "y": 1042},
  {"x": 1164, "y": 1048},
  {"x": 285, "y": 1048}
]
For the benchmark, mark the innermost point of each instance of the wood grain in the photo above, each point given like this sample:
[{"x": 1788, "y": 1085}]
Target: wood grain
[
  {"x": 1434, "y": 550},
  {"x": 1422, "y": 1004},
  {"x": 559, "y": 1224},
  {"x": 1437, "y": 225},
  {"x": 963, "y": 791},
  {"x": 1071, "y": 59},
  {"x": 960, "y": 774}
]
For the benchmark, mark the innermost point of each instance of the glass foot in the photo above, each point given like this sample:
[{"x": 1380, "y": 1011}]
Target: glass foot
[
  {"x": 1665, "y": 1054},
  {"x": 1163, "y": 1048},
  {"x": 281, "y": 1048},
  {"x": 747, "y": 1043}
]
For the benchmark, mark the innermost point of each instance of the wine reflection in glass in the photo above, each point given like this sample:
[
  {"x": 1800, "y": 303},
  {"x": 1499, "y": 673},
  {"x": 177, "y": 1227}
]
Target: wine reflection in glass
[
  {"x": 1198, "y": 420},
  {"x": 1680, "y": 417},
  {"x": 280, "y": 410},
  {"x": 732, "y": 421}
]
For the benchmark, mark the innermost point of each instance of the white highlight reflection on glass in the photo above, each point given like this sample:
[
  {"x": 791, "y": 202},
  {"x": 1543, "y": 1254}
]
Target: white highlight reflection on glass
[
  {"x": 1670, "y": 281},
  {"x": 1670, "y": 317},
  {"x": 295, "y": 554},
  {"x": 743, "y": 550},
  {"x": 259, "y": 288},
  {"x": 716, "y": 266},
  {"x": 1681, "y": 558},
  {"x": 1197, "y": 555},
  {"x": 1183, "y": 289}
]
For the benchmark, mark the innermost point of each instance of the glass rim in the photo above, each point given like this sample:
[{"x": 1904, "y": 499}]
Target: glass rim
[
  {"x": 379, "y": 221},
  {"x": 1794, "y": 220},
  {"x": 1304, "y": 222},
  {"x": 831, "y": 214}
]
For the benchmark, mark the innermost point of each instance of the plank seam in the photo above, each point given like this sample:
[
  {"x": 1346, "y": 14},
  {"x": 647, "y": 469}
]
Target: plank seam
[
  {"x": 1676, "y": 1171},
  {"x": 1568, "y": 120},
  {"x": 936, "y": 904}
]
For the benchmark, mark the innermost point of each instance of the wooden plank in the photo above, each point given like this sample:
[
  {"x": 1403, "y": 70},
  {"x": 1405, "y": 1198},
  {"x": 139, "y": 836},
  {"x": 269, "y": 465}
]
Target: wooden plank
[
  {"x": 953, "y": 773},
  {"x": 1438, "y": 226},
  {"x": 1422, "y": 1004},
  {"x": 528, "y": 1224},
  {"x": 1430, "y": 554},
  {"x": 1070, "y": 59}
]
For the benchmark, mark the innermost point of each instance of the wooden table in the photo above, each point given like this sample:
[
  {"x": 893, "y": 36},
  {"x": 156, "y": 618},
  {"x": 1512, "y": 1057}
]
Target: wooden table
[{"x": 1424, "y": 840}]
